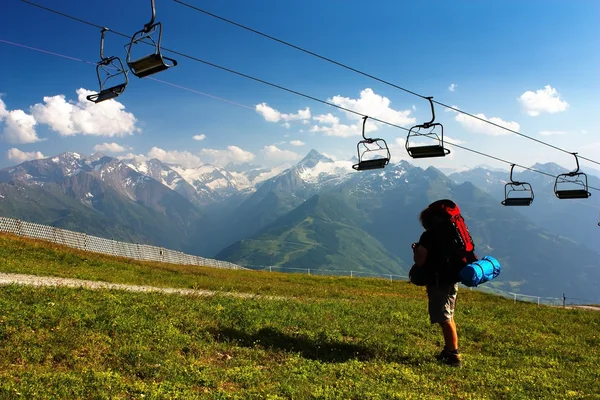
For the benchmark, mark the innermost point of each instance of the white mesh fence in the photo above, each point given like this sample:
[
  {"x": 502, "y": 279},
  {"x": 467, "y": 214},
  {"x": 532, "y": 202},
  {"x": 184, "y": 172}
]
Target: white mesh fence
[{"x": 96, "y": 244}]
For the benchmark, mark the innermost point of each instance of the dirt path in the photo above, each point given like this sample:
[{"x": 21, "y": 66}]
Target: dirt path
[{"x": 34, "y": 280}]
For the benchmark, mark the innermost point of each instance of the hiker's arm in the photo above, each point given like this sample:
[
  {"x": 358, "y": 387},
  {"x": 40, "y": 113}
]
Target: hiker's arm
[{"x": 420, "y": 255}]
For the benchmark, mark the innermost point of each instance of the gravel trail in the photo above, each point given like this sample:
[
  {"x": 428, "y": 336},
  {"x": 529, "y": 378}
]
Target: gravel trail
[{"x": 34, "y": 280}]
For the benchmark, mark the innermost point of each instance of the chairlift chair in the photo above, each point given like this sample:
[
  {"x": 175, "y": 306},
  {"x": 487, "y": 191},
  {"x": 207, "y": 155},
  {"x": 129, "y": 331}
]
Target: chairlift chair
[
  {"x": 373, "y": 163},
  {"x": 436, "y": 150},
  {"x": 517, "y": 193},
  {"x": 572, "y": 178},
  {"x": 152, "y": 63},
  {"x": 111, "y": 67}
]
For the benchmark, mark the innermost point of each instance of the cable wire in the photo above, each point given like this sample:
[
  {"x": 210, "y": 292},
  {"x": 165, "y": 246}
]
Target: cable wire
[
  {"x": 374, "y": 77},
  {"x": 300, "y": 94},
  {"x": 151, "y": 78},
  {"x": 251, "y": 108}
]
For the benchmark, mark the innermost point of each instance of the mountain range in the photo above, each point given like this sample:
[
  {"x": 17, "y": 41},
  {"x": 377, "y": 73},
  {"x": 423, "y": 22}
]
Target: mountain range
[{"x": 318, "y": 214}]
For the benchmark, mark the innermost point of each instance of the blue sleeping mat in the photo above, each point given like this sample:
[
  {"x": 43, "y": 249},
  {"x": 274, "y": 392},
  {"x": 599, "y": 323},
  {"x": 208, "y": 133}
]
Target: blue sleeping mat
[{"x": 480, "y": 271}]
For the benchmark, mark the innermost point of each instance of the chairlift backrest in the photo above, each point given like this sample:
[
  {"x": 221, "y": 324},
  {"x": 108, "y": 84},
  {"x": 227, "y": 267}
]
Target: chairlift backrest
[
  {"x": 374, "y": 163},
  {"x": 151, "y": 63},
  {"x": 573, "y": 178},
  {"x": 436, "y": 150},
  {"x": 111, "y": 67},
  {"x": 517, "y": 193}
]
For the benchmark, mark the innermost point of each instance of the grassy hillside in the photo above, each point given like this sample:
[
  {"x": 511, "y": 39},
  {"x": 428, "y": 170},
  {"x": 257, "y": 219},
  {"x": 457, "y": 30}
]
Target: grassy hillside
[
  {"x": 322, "y": 233},
  {"x": 329, "y": 338}
]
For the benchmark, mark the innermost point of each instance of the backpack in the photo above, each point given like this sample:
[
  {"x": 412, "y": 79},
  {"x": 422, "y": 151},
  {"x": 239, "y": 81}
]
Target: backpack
[{"x": 458, "y": 246}]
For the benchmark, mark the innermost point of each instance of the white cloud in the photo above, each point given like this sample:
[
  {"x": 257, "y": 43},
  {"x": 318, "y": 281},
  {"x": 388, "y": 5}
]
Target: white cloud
[
  {"x": 110, "y": 148},
  {"x": 327, "y": 119},
  {"x": 69, "y": 118},
  {"x": 331, "y": 126},
  {"x": 202, "y": 136},
  {"x": 183, "y": 158},
  {"x": 297, "y": 143},
  {"x": 452, "y": 140},
  {"x": 19, "y": 127},
  {"x": 231, "y": 154},
  {"x": 369, "y": 103},
  {"x": 286, "y": 125},
  {"x": 552, "y": 133},
  {"x": 375, "y": 106},
  {"x": 477, "y": 126},
  {"x": 452, "y": 87},
  {"x": 131, "y": 156},
  {"x": 543, "y": 100},
  {"x": 20, "y": 156},
  {"x": 591, "y": 146},
  {"x": 272, "y": 115},
  {"x": 273, "y": 153}
]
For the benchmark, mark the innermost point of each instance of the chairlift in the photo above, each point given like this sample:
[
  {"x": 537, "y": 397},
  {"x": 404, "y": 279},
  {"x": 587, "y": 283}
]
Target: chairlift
[
  {"x": 429, "y": 130},
  {"x": 110, "y": 68},
  {"x": 370, "y": 145},
  {"x": 517, "y": 193},
  {"x": 571, "y": 179},
  {"x": 151, "y": 63}
]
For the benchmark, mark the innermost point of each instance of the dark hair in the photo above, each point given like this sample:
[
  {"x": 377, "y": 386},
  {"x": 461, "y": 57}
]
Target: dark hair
[{"x": 426, "y": 219}]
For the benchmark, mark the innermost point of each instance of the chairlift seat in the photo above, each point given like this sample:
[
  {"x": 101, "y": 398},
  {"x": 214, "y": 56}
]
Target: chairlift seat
[
  {"x": 572, "y": 194},
  {"x": 107, "y": 94},
  {"x": 376, "y": 163},
  {"x": 522, "y": 192},
  {"x": 150, "y": 64},
  {"x": 517, "y": 201},
  {"x": 427, "y": 151}
]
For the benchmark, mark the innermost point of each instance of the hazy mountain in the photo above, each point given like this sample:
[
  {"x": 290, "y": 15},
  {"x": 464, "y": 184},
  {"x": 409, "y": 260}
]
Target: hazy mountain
[
  {"x": 98, "y": 195},
  {"x": 574, "y": 218},
  {"x": 317, "y": 213},
  {"x": 374, "y": 214}
]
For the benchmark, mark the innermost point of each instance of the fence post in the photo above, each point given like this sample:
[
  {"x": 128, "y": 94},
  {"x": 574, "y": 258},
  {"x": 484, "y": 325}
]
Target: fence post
[
  {"x": 515, "y": 295},
  {"x": 270, "y": 270},
  {"x": 308, "y": 271},
  {"x": 391, "y": 279},
  {"x": 538, "y": 301},
  {"x": 351, "y": 274},
  {"x": 564, "y": 301}
]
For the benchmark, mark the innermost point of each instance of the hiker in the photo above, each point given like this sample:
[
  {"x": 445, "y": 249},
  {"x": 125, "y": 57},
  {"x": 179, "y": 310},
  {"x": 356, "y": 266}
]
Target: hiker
[{"x": 443, "y": 249}]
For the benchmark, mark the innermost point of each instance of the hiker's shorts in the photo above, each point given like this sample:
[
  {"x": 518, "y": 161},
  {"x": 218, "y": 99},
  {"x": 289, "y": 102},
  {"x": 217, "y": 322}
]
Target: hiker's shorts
[{"x": 442, "y": 300}]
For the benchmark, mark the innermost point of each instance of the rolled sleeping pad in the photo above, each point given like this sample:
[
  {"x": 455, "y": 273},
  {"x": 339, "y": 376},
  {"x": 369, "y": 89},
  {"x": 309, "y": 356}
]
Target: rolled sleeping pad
[{"x": 480, "y": 271}]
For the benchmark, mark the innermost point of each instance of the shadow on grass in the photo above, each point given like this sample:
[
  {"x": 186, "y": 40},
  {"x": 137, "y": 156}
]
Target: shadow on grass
[
  {"x": 314, "y": 349},
  {"x": 318, "y": 348}
]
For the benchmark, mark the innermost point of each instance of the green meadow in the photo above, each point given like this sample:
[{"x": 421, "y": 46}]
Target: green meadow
[{"x": 317, "y": 338}]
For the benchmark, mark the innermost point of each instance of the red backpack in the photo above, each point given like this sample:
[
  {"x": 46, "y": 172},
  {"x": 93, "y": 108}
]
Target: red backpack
[{"x": 459, "y": 245}]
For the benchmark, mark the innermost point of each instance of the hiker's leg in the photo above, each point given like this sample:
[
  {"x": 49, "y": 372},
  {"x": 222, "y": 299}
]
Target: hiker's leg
[
  {"x": 450, "y": 335},
  {"x": 442, "y": 300}
]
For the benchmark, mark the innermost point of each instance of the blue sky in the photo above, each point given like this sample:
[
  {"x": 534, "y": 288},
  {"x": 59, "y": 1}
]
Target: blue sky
[{"x": 530, "y": 65}]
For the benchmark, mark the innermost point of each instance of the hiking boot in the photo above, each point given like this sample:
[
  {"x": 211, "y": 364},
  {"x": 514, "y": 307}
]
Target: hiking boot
[{"x": 450, "y": 357}]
